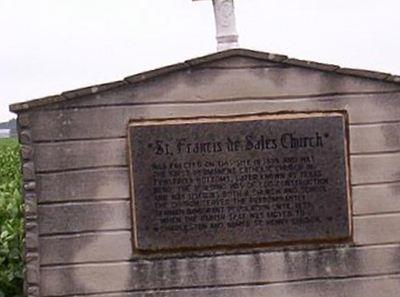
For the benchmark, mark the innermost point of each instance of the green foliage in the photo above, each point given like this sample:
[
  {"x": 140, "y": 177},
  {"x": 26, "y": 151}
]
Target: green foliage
[
  {"x": 7, "y": 142},
  {"x": 10, "y": 220}
]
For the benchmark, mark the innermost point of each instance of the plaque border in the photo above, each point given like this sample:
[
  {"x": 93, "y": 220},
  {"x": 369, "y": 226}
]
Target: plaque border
[{"x": 281, "y": 115}]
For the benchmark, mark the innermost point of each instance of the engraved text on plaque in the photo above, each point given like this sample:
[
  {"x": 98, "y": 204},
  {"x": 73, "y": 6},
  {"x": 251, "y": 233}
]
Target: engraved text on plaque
[{"x": 236, "y": 181}]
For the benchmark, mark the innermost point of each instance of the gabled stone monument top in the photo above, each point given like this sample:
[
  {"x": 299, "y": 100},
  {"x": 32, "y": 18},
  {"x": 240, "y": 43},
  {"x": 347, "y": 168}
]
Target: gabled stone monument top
[{"x": 225, "y": 23}]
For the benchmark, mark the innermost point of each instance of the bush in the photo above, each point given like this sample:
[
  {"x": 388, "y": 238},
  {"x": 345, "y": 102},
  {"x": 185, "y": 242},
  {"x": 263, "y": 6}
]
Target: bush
[{"x": 11, "y": 278}]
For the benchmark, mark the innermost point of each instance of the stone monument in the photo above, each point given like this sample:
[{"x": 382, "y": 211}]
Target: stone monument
[{"x": 240, "y": 173}]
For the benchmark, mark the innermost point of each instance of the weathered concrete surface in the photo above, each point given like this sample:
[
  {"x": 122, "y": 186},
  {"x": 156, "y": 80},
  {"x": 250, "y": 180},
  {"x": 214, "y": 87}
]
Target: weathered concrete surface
[{"x": 76, "y": 182}]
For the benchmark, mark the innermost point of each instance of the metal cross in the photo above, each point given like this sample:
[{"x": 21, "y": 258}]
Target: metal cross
[{"x": 225, "y": 23}]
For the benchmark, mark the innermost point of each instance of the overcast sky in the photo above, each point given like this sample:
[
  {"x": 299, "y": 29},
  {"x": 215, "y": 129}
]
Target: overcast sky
[{"x": 50, "y": 46}]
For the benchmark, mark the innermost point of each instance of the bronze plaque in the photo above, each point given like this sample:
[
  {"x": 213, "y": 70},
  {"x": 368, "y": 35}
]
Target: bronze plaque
[{"x": 240, "y": 181}]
